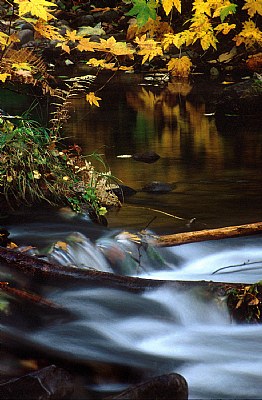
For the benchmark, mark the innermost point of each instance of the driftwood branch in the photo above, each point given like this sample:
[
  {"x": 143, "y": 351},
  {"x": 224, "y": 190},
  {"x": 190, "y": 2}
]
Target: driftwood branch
[{"x": 208, "y": 234}]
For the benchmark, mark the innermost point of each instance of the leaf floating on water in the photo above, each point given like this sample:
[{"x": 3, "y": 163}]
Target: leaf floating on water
[{"x": 227, "y": 83}]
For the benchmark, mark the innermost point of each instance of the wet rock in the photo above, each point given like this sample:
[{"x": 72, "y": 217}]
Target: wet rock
[
  {"x": 147, "y": 157},
  {"x": 243, "y": 98},
  {"x": 26, "y": 25},
  {"x": 158, "y": 187},
  {"x": 47, "y": 383},
  {"x": 106, "y": 16},
  {"x": 123, "y": 191},
  {"x": 25, "y": 36},
  {"x": 164, "y": 387},
  {"x": 83, "y": 20},
  {"x": 94, "y": 38}
]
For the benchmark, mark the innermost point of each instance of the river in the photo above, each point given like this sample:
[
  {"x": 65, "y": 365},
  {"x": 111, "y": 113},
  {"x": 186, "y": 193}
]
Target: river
[{"x": 121, "y": 338}]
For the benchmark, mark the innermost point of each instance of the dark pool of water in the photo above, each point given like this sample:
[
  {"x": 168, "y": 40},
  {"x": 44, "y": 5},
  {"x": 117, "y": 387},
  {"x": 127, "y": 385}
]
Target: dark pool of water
[{"x": 215, "y": 165}]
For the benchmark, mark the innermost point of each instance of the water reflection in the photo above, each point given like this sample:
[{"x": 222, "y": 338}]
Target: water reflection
[{"x": 217, "y": 167}]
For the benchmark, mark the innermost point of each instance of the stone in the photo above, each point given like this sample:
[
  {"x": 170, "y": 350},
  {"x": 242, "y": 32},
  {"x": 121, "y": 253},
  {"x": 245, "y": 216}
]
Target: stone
[
  {"x": 158, "y": 187},
  {"x": 147, "y": 157},
  {"x": 25, "y": 36},
  {"x": 106, "y": 16},
  {"x": 243, "y": 98},
  {"x": 123, "y": 191},
  {"x": 48, "y": 383},
  {"x": 164, "y": 387},
  {"x": 83, "y": 20}
]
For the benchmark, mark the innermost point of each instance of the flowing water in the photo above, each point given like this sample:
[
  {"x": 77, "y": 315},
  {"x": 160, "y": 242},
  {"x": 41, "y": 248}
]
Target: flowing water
[{"x": 122, "y": 337}]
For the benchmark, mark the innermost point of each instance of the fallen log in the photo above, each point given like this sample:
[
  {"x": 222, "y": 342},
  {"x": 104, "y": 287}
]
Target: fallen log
[
  {"x": 242, "y": 303},
  {"x": 51, "y": 273},
  {"x": 207, "y": 234}
]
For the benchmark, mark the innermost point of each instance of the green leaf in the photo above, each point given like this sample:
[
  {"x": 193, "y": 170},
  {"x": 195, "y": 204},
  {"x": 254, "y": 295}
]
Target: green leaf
[
  {"x": 143, "y": 10},
  {"x": 227, "y": 10}
]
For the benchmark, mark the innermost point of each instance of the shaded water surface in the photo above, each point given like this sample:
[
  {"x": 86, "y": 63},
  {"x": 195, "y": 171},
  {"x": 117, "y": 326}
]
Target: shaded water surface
[
  {"x": 115, "y": 338},
  {"x": 215, "y": 164}
]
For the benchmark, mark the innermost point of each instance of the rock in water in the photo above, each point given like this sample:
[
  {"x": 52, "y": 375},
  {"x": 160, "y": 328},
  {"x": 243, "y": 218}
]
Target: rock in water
[
  {"x": 165, "y": 387},
  {"x": 146, "y": 157},
  {"x": 158, "y": 187},
  {"x": 243, "y": 98},
  {"x": 123, "y": 191},
  {"x": 45, "y": 384}
]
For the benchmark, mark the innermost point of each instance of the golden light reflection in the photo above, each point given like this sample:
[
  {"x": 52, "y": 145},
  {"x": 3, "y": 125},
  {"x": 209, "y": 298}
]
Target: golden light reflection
[{"x": 167, "y": 120}]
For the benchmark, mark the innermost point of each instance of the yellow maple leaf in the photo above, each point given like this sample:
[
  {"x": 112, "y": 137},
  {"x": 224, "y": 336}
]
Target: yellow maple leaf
[
  {"x": 38, "y": 8},
  {"x": 224, "y": 28},
  {"x": 250, "y": 35},
  {"x": 149, "y": 48},
  {"x": 219, "y": 7},
  {"x": 253, "y": 7},
  {"x": 100, "y": 63},
  {"x": 96, "y": 63},
  {"x": 122, "y": 49},
  {"x": 180, "y": 66},
  {"x": 154, "y": 28},
  {"x": 86, "y": 45},
  {"x": 202, "y": 29},
  {"x": 72, "y": 35},
  {"x": 124, "y": 68},
  {"x": 3, "y": 40},
  {"x": 110, "y": 45},
  {"x": 169, "y": 4},
  {"x": 91, "y": 98},
  {"x": 64, "y": 46},
  {"x": 208, "y": 40},
  {"x": 106, "y": 44},
  {"x": 202, "y": 7},
  {"x": 47, "y": 31},
  {"x": 4, "y": 76},
  {"x": 178, "y": 39}
]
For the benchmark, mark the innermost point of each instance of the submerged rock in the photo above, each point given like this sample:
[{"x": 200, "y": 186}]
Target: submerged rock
[
  {"x": 146, "y": 157},
  {"x": 158, "y": 187}
]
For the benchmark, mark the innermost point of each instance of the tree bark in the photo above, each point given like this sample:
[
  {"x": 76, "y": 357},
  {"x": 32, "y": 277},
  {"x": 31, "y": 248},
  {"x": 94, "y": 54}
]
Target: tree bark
[{"x": 208, "y": 234}]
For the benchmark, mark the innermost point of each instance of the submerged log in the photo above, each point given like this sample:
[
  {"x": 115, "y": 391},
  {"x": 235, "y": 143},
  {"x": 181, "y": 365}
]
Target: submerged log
[{"x": 208, "y": 234}]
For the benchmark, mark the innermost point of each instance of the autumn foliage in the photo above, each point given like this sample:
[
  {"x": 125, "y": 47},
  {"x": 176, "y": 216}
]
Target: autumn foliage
[{"x": 158, "y": 29}]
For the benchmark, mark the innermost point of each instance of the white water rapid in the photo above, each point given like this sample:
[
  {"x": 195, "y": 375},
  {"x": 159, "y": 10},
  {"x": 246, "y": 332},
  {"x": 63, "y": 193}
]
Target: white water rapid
[{"x": 160, "y": 331}]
